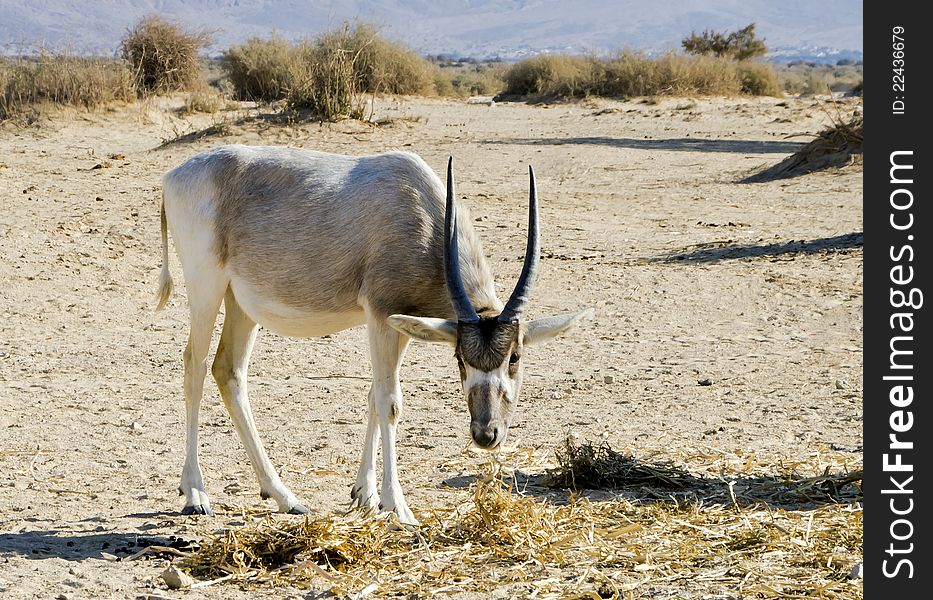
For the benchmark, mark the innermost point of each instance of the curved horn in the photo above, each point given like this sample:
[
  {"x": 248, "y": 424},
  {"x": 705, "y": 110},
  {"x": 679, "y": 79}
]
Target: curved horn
[
  {"x": 458, "y": 296},
  {"x": 518, "y": 300}
]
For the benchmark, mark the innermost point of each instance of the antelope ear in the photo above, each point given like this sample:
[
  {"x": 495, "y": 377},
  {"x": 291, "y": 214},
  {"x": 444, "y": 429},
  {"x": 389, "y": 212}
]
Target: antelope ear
[
  {"x": 541, "y": 330},
  {"x": 426, "y": 329}
]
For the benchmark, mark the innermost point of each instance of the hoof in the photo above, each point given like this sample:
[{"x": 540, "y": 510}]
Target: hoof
[
  {"x": 197, "y": 509},
  {"x": 298, "y": 509},
  {"x": 264, "y": 495}
]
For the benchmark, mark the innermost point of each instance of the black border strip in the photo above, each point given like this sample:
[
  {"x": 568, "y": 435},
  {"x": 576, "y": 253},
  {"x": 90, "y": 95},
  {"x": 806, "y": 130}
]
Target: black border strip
[{"x": 898, "y": 364}]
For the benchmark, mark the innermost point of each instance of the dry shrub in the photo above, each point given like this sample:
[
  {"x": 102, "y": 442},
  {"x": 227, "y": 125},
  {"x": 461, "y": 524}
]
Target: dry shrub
[
  {"x": 634, "y": 74},
  {"x": 323, "y": 81},
  {"x": 202, "y": 102},
  {"x": 28, "y": 85},
  {"x": 552, "y": 75},
  {"x": 260, "y": 69},
  {"x": 163, "y": 56},
  {"x": 759, "y": 79},
  {"x": 673, "y": 74},
  {"x": 330, "y": 74}
]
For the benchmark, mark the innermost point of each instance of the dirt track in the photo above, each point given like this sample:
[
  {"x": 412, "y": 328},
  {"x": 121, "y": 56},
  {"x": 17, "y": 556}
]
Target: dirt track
[{"x": 693, "y": 276}]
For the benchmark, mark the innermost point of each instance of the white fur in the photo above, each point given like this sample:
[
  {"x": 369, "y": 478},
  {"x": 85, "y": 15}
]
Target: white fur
[{"x": 340, "y": 194}]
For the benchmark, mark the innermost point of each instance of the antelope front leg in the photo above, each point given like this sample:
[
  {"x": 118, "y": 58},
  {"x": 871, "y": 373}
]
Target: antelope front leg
[{"x": 387, "y": 347}]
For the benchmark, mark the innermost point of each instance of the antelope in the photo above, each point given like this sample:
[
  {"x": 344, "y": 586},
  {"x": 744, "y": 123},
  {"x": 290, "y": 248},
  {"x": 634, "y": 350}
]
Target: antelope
[{"x": 307, "y": 244}]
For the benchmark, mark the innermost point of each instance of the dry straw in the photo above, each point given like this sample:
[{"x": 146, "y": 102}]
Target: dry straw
[
  {"x": 662, "y": 531},
  {"x": 838, "y": 145}
]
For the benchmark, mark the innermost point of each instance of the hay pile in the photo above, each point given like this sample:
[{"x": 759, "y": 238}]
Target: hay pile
[
  {"x": 734, "y": 538},
  {"x": 838, "y": 145}
]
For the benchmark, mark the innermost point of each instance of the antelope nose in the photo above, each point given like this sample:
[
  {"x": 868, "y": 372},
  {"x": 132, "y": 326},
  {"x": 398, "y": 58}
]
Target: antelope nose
[{"x": 484, "y": 436}]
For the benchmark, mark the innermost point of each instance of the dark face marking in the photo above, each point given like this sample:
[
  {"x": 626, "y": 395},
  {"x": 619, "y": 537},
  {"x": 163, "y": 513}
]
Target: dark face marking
[
  {"x": 489, "y": 357},
  {"x": 486, "y": 345}
]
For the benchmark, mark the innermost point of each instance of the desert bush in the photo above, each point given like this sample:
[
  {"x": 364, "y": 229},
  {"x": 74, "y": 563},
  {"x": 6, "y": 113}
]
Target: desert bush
[
  {"x": 202, "y": 102},
  {"x": 758, "y": 79},
  {"x": 323, "y": 81},
  {"x": 811, "y": 78},
  {"x": 381, "y": 66},
  {"x": 260, "y": 69},
  {"x": 741, "y": 44},
  {"x": 461, "y": 80},
  {"x": 635, "y": 74},
  {"x": 673, "y": 74},
  {"x": 552, "y": 75},
  {"x": 330, "y": 74},
  {"x": 163, "y": 56},
  {"x": 28, "y": 85}
]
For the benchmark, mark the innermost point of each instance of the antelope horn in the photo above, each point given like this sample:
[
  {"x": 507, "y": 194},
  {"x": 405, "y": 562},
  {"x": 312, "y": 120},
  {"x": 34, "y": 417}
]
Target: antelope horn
[
  {"x": 458, "y": 296},
  {"x": 519, "y": 299}
]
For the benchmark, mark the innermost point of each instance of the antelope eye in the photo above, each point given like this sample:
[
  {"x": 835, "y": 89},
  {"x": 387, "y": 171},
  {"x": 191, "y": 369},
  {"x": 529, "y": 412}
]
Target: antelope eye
[{"x": 514, "y": 358}]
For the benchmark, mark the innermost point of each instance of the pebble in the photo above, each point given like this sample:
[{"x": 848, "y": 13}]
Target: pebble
[
  {"x": 856, "y": 572},
  {"x": 176, "y": 579},
  {"x": 841, "y": 384},
  {"x": 704, "y": 382},
  {"x": 609, "y": 379},
  {"x": 556, "y": 395}
]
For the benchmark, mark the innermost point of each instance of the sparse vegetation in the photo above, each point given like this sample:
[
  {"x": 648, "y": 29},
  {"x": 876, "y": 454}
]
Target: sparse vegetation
[
  {"x": 29, "y": 85},
  {"x": 810, "y": 79},
  {"x": 461, "y": 79},
  {"x": 323, "y": 82},
  {"x": 838, "y": 145},
  {"x": 260, "y": 69},
  {"x": 334, "y": 75},
  {"x": 741, "y": 44},
  {"x": 328, "y": 75},
  {"x": 202, "y": 102},
  {"x": 758, "y": 79},
  {"x": 163, "y": 56},
  {"x": 634, "y": 74}
]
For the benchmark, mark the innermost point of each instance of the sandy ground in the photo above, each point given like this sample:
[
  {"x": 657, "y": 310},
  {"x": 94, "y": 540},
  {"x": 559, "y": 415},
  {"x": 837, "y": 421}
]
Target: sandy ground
[{"x": 692, "y": 275}]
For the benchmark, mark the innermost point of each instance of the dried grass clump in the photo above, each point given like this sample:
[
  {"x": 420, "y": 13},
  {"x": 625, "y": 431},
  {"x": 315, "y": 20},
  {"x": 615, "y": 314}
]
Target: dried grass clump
[
  {"x": 716, "y": 535},
  {"x": 673, "y": 74},
  {"x": 838, "y": 145},
  {"x": 553, "y": 75},
  {"x": 323, "y": 81},
  {"x": 634, "y": 74},
  {"x": 260, "y": 69},
  {"x": 28, "y": 86},
  {"x": 202, "y": 102},
  {"x": 758, "y": 79},
  {"x": 382, "y": 66},
  {"x": 163, "y": 56},
  {"x": 267, "y": 547},
  {"x": 588, "y": 466},
  {"x": 332, "y": 75}
]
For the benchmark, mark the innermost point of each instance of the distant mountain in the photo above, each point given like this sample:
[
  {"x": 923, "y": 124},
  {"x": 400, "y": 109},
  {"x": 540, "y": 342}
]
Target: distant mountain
[{"x": 478, "y": 28}]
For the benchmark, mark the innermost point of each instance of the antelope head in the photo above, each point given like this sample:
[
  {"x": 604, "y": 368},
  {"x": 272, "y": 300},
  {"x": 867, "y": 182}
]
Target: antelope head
[{"x": 489, "y": 349}]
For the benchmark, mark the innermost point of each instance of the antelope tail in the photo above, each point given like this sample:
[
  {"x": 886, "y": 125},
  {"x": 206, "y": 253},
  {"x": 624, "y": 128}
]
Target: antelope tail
[{"x": 165, "y": 277}]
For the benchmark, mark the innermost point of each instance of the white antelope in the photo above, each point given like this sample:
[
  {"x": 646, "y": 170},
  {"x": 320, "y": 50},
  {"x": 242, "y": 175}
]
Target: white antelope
[{"x": 307, "y": 244}]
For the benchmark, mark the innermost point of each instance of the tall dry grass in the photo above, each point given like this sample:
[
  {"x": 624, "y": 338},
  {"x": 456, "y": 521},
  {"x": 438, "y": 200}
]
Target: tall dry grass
[
  {"x": 634, "y": 74},
  {"x": 29, "y": 86},
  {"x": 260, "y": 68},
  {"x": 330, "y": 74},
  {"x": 163, "y": 56}
]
